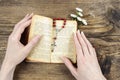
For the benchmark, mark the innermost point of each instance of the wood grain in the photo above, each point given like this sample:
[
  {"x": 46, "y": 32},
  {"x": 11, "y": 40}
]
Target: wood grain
[{"x": 107, "y": 44}]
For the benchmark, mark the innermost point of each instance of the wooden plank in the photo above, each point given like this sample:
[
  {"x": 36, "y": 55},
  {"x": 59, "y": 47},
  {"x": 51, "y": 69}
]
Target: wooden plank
[{"x": 42, "y": 71}]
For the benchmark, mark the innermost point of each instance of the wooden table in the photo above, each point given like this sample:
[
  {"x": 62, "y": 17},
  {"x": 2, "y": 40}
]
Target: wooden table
[{"x": 107, "y": 44}]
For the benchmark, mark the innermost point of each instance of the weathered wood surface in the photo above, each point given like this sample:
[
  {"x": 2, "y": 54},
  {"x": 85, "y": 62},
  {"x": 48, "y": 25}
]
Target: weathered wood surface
[{"x": 107, "y": 44}]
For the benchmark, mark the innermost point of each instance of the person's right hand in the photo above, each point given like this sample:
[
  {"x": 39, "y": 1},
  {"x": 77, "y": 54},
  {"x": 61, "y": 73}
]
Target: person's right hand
[{"x": 87, "y": 63}]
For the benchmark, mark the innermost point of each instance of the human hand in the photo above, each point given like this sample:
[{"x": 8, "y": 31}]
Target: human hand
[
  {"x": 87, "y": 63},
  {"x": 16, "y": 51}
]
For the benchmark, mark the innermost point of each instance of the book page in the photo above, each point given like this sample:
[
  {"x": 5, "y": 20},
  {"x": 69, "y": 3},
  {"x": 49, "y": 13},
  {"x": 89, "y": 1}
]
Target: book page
[
  {"x": 64, "y": 44},
  {"x": 41, "y": 26}
]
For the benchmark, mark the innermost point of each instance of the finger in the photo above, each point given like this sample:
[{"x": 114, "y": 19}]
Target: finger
[
  {"x": 78, "y": 48},
  {"x": 83, "y": 44},
  {"x": 27, "y": 17},
  {"x": 69, "y": 65},
  {"x": 89, "y": 45},
  {"x": 21, "y": 29},
  {"x": 32, "y": 44},
  {"x": 95, "y": 55},
  {"x": 22, "y": 21},
  {"x": 94, "y": 52}
]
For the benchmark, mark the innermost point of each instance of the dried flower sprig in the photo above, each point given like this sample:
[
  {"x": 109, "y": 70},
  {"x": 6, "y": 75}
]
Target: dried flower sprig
[
  {"x": 73, "y": 15},
  {"x": 78, "y": 16},
  {"x": 79, "y": 9}
]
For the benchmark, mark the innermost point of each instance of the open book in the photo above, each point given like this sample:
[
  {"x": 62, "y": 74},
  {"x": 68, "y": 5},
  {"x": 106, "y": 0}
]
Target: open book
[{"x": 56, "y": 40}]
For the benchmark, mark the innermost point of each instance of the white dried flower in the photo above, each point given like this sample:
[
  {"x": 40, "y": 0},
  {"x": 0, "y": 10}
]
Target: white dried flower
[
  {"x": 73, "y": 15},
  {"x": 80, "y": 14},
  {"x": 79, "y": 9},
  {"x": 84, "y": 21},
  {"x": 79, "y": 19}
]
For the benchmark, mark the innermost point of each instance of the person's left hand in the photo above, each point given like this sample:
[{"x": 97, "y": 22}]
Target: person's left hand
[{"x": 16, "y": 51}]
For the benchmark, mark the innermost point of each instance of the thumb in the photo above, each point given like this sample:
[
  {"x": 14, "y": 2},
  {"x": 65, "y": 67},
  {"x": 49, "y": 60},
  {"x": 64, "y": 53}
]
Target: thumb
[
  {"x": 31, "y": 44},
  {"x": 69, "y": 66}
]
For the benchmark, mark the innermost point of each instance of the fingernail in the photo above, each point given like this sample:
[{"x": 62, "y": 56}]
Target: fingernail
[
  {"x": 31, "y": 14},
  {"x": 82, "y": 32},
  {"x": 26, "y": 15},
  {"x": 79, "y": 31}
]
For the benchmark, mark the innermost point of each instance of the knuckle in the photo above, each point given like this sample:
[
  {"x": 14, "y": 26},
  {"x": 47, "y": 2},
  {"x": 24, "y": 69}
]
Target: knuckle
[{"x": 12, "y": 38}]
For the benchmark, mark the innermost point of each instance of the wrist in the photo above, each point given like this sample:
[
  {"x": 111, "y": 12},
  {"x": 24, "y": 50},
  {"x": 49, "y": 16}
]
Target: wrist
[
  {"x": 98, "y": 77},
  {"x": 7, "y": 71},
  {"x": 8, "y": 63}
]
